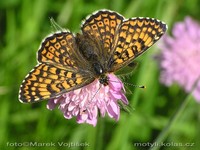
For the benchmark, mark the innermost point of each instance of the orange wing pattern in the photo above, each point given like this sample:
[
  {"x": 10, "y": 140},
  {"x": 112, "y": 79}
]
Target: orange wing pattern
[
  {"x": 49, "y": 81},
  {"x": 134, "y": 37},
  {"x": 60, "y": 49},
  {"x": 103, "y": 26},
  {"x": 60, "y": 70}
]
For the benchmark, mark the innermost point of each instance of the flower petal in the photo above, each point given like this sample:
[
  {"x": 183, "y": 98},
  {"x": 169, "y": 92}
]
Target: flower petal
[
  {"x": 113, "y": 110},
  {"x": 181, "y": 56},
  {"x": 85, "y": 102}
]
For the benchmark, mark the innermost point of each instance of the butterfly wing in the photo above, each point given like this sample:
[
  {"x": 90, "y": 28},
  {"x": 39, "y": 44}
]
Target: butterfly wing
[
  {"x": 102, "y": 25},
  {"x": 61, "y": 49},
  {"x": 122, "y": 40},
  {"x": 48, "y": 81},
  {"x": 134, "y": 37},
  {"x": 60, "y": 70}
]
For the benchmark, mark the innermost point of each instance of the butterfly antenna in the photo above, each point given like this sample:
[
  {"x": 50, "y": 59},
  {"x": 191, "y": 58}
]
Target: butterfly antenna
[
  {"x": 96, "y": 93},
  {"x": 133, "y": 85},
  {"x": 130, "y": 84}
]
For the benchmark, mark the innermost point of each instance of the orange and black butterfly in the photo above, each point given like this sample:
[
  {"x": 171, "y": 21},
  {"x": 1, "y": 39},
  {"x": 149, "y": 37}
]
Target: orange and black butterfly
[{"x": 108, "y": 42}]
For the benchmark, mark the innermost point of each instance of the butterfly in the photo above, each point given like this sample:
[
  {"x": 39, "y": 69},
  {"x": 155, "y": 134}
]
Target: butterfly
[{"x": 107, "y": 43}]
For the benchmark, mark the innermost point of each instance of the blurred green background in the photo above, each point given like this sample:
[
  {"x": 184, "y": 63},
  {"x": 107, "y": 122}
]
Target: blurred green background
[{"x": 24, "y": 23}]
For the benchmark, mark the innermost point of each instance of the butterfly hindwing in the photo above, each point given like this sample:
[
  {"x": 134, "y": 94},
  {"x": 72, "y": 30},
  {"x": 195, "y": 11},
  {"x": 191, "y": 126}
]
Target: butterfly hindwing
[
  {"x": 103, "y": 25},
  {"x": 60, "y": 48}
]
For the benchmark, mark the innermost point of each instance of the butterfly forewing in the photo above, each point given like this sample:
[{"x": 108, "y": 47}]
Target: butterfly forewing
[
  {"x": 134, "y": 37},
  {"x": 48, "y": 81}
]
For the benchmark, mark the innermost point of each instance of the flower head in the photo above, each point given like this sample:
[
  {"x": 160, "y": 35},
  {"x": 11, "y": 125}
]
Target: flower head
[
  {"x": 180, "y": 56},
  {"x": 84, "y": 103}
]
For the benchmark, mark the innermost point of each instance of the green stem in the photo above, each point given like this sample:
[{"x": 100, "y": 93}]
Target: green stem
[
  {"x": 55, "y": 25},
  {"x": 170, "y": 124},
  {"x": 172, "y": 121},
  {"x": 99, "y": 134}
]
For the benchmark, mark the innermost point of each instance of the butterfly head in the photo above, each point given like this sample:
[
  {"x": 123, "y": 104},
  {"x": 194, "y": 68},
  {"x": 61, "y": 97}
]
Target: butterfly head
[{"x": 103, "y": 79}]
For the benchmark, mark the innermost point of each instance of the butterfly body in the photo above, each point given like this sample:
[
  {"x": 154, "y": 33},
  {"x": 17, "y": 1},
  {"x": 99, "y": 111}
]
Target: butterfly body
[
  {"x": 90, "y": 52},
  {"x": 108, "y": 42}
]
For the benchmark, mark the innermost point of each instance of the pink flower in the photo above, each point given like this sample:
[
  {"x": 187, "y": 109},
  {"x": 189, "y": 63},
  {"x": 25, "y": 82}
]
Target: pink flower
[
  {"x": 84, "y": 103},
  {"x": 180, "y": 56}
]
